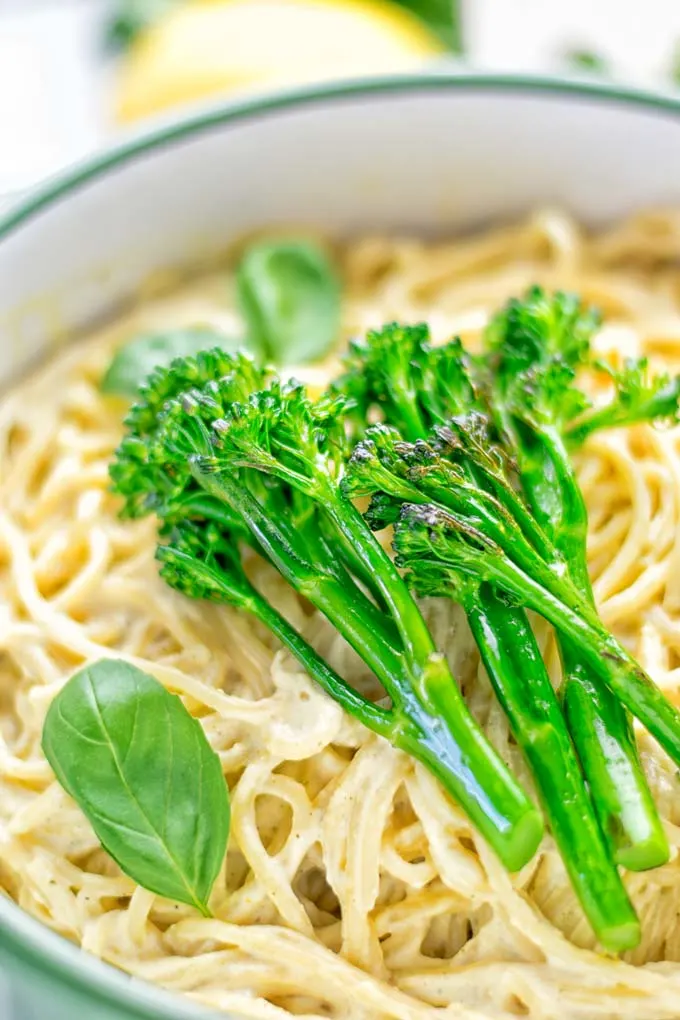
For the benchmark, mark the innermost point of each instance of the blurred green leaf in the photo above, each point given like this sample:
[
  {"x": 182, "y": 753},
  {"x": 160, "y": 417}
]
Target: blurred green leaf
[
  {"x": 675, "y": 65},
  {"x": 587, "y": 60},
  {"x": 133, "y": 363},
  {"x": 130, "y": 17},
  {"x": 443, "y": 17}
]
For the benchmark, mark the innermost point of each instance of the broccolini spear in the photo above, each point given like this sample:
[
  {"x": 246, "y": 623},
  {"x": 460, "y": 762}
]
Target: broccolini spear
[
  {"x": 419, "y": 389},
  {"x": 535, "y": 347},
  {"x": 219, "y": 450},
  {"x": 489, "y": 544},
  {"x": 569, "y": 612}
]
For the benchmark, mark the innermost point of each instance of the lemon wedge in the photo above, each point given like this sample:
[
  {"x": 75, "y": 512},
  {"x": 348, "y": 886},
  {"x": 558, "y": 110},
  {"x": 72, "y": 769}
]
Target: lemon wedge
[{"x": 210, "y": 47}]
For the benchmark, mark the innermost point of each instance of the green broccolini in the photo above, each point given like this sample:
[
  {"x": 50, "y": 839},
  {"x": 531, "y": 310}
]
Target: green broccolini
[
  {"x": 470, "y": 464},
  {"x": 430, "y": 392},
  {"x": 461, "y": 554},
  {"x": 225, "y": 455},
  {"x": 534, "y": 348},
  {"x": 638, "y": 397}
]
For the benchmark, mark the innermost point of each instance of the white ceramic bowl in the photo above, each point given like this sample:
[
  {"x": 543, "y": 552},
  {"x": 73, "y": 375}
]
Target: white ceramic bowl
[{"x": 427, "y": 154}]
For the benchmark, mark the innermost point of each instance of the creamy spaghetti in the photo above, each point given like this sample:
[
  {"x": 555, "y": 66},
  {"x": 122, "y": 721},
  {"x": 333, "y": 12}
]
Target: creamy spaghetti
[{"x": 353, "y": 888}]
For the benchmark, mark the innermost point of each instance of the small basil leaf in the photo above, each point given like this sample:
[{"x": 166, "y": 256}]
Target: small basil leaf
[
  {"x": 290, "y": 297},
  {"x": 142, "y": 771},
  {"x": 135, "y": 361}
]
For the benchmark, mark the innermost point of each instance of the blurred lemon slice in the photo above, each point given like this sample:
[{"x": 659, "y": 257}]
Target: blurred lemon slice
[{"x": 207, "y": 47}]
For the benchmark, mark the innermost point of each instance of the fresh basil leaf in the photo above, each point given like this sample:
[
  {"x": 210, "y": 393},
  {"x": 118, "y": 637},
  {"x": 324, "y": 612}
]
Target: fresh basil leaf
[
  {"x": 134, "y": 362},
  {"x": 290, "y": 297},
  {"x": 142, "y": 771}
]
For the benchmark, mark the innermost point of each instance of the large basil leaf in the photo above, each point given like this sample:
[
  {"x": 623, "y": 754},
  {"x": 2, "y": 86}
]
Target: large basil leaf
[
  {"x": 134, "y": 362},
  {"x": 290, "y": 297},
  {"x": 142, "y": 771}
]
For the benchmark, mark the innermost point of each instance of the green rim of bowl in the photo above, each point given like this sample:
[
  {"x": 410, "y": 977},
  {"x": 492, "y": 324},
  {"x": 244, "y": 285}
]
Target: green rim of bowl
[
  {"x": 28, "y": 940},
  {"x": 176, "y": 128}
]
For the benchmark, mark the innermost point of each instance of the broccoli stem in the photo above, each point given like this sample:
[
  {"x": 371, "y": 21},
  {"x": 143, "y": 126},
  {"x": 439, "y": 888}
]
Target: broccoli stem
[
  {"x": 416, "y": 638},
  {"x": 459, "y": 755},
  {"x": 374, "y": 717},
  {"x": 417, "y": 679},
  {"x": 599, "y": 649},
  {"x": 603, "y": 735},
  {"x": 552, "y": 491},
  {"x": 600, "y": 726},
  {"x": 360, "y": 622},
  {"x": 233, "y": 588},
  {"x": 519, "y": 677},
  {"x": 356, "y": 566},
  {"x": 413, "y": 729},
  {"x": 529, "y": 525},
  {"x": 513, "y": 662},
  {"x": 484, "y": 513}
]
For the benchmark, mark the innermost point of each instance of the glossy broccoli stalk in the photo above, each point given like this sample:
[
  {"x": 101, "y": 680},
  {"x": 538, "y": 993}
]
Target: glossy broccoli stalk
[
  {"x": 430, "y": 395},
  {"x": 535, "y": 348},
  {"x": 229, "y": 457}
]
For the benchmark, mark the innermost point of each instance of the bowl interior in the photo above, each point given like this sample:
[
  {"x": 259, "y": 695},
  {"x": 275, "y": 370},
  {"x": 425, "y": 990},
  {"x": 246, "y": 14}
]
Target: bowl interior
[{"x": 417, "y": 155}]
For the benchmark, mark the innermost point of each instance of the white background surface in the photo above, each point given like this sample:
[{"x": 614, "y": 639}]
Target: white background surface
[
  {"x": 52, "y": 86},
  {"x": 55, "y": 77},
  {"x": 638, "y": 38}
]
